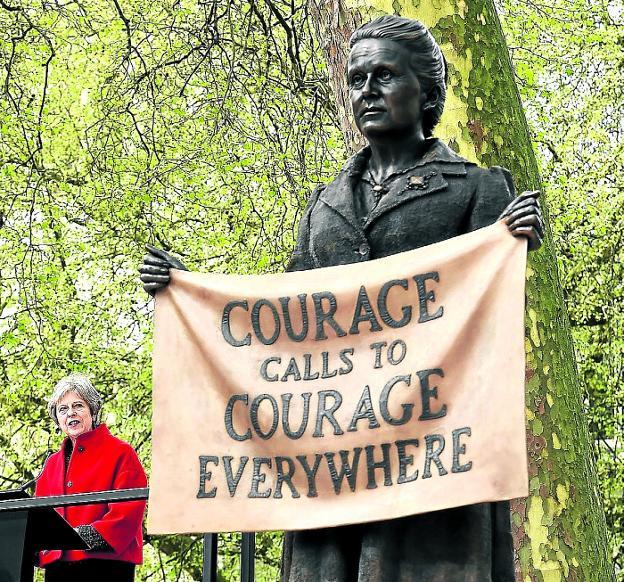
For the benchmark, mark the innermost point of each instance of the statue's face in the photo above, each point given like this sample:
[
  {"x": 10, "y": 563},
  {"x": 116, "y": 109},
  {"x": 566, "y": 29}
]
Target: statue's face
[{"x": 385, "y": 93}]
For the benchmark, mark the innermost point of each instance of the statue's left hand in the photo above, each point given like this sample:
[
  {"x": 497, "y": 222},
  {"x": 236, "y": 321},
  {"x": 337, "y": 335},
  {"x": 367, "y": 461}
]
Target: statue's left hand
[{"x": 523, "y": 217}]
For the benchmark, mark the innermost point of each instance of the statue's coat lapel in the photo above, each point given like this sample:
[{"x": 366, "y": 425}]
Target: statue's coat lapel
[
  {"x": 339, "y": 196},
  {"x": 426, "y": 178}
]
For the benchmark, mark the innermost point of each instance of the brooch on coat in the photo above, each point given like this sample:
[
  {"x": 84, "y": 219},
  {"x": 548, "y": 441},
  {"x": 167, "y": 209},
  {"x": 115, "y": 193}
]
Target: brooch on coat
[{"x": 419, "y": 182}]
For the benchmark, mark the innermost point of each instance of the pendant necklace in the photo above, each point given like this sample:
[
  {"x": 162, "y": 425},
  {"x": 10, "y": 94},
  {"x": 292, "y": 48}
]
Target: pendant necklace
[{"x": 381, "y": 187}]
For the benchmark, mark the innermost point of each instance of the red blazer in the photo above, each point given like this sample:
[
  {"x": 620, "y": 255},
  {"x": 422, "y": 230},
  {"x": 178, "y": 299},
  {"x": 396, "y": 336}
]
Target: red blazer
[{"x": 99, "y": 461}]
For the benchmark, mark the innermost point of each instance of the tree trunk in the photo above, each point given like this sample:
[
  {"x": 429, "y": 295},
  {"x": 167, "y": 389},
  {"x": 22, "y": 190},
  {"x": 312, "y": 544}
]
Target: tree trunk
[{"x": 559, "y": 530}]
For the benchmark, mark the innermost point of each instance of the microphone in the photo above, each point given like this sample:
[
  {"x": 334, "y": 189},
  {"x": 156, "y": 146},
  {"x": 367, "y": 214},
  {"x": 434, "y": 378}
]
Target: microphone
[
  {"x": 29, "y": 483},
  {"x": 35, "y": 479}
]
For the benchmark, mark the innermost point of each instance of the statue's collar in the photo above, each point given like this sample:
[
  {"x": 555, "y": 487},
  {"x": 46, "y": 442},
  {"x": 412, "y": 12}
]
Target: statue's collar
[{"x": 437, "y": 152}]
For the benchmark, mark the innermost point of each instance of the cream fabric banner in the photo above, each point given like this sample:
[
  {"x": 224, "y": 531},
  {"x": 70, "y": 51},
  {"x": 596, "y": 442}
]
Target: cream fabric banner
[{"x": 341, "y": 395}]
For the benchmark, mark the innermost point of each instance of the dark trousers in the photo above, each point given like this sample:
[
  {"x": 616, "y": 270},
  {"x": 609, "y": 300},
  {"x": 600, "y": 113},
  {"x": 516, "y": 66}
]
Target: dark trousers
[{"x": 90, "y": 571}]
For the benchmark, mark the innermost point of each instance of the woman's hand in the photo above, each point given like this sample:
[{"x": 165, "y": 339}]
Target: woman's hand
[
  {"x": 523, "y": 217},
  {"x": 155, "y": 269}
]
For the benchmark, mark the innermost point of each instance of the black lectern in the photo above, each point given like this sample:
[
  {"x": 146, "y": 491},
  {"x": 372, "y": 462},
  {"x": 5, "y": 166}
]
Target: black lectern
[{"x": 25, "y": 532}]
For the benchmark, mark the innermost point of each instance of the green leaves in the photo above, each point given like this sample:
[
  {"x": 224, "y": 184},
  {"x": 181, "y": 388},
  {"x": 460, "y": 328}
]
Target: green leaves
[
  {"x": 199, "y": 127},
  {"x": 574, "y": 101}
]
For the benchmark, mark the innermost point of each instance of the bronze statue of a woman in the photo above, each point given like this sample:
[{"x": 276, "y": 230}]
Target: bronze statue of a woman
[{"x": 404, "y": 190}]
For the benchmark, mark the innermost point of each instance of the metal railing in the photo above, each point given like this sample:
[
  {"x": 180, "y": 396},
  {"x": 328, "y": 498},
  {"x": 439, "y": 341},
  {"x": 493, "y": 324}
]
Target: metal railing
[{"x": 209, "y": 569}]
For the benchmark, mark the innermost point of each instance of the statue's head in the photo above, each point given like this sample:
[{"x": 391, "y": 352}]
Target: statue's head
[{"x": 407, "y": 46}]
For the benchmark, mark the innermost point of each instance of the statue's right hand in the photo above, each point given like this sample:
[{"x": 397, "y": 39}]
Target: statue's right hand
[{"x": 155, "y": 269}]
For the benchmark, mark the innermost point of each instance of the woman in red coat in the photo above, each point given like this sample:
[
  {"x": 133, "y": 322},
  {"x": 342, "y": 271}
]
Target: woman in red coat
[{"x": 91, "y": 459}]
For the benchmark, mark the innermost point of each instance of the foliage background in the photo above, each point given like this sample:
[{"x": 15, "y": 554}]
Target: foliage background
[{"x": 200, "y": 126}]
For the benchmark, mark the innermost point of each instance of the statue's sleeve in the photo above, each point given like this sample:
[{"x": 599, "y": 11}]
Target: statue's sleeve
[
  {"x": 494, "y": 191},
  {"x": 301, "y": 259}
]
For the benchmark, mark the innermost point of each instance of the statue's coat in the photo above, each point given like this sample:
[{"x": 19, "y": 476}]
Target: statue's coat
[{"x": 465, "y": 544}]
